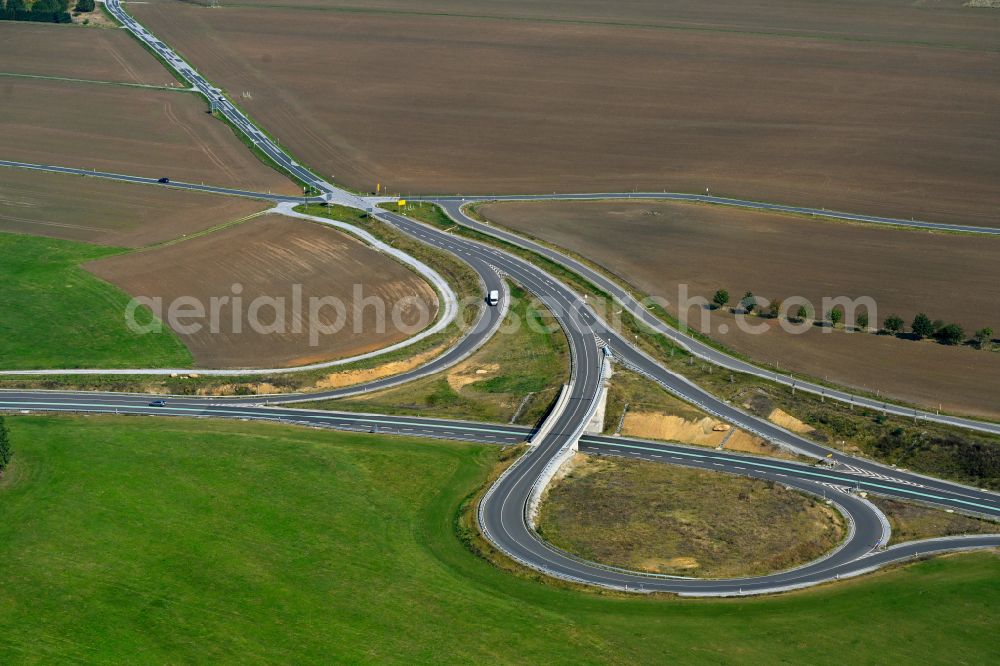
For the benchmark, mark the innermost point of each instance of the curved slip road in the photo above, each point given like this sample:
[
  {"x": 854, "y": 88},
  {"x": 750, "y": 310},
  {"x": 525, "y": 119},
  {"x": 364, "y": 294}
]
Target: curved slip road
[
  {"x": 859, "y": 554},
  {"x": 503, "y": 512},
  {"x": 725, "y": 201},
  {"x": 447, "y": 296},
  {"x": 623, "y": 297}
]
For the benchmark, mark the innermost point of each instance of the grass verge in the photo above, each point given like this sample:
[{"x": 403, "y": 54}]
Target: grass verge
[
  {"x": 266, "y": 159},
  {"x": 911, "y": 521},
  {"x": 171, "y": 540}
]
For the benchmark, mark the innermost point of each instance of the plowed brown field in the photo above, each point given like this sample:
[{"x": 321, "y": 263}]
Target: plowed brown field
[
  {"x": 95, "y": 54},
  {"x": 140, "y": 132},
  {"x": 876, "y": 107},
  {"x": 266, "y": 257},
  {"x": 658, "y": 246},
  {"x": 108, "y": 212}
]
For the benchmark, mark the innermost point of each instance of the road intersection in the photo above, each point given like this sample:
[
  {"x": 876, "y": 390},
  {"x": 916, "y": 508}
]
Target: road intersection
[{"x": 503, "y": 511}]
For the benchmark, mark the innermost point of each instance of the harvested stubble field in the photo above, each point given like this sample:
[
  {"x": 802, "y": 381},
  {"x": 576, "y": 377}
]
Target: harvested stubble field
[
  {"x": 661, "y": 245},
  {"x": 56, "y": 50},
  {"x": 901, "y": 122},
  {"x": 266, "y": 257},
  {"x": 150, "y": 133},
  {"x": 674, "y": 520},
  {"x": 108, "y": 212},
  {"x": 947, "y": 23}
]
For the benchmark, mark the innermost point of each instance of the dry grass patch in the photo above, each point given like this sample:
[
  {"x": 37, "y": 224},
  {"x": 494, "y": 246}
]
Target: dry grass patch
[
  {"x": 267, "y": 256},
  {"x": 674, "y": 520},
  {"x": 351, "y": 377}
]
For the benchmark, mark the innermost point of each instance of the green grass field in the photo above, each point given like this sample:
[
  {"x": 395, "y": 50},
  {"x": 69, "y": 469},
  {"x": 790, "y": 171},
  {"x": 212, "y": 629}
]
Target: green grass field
[
  {"x": 144, "y": 540},
  {"x": 54, "y": 314}
]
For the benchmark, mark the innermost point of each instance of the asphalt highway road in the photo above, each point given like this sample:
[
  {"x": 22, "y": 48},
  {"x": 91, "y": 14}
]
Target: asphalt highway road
[
  {"x": 503, "y": 512},
  {"x": 704, "y": 351},
  {"x": 454, "y": 207},
  {"x": 229, "y": 110},
  {"x": 149, "y": 181},
  {"x": 724, "y": 201},
  {"x": 860, "y": 553},
  {"x": 585, "y": 328}
]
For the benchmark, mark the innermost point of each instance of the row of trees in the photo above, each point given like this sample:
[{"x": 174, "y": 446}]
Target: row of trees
[
  {"x": 921, "y": 327},
  {"x": 949, "y": 334},
  {"x": 42, "y": 11},
  {"x": 5, "y": 451}
]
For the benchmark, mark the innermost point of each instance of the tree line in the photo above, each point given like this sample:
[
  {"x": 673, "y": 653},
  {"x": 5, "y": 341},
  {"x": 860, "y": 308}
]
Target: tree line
[
  {"x": 922, "y": 326},
  {"x": 42, "y": 11},
  {"x": 5, "y": 450}
]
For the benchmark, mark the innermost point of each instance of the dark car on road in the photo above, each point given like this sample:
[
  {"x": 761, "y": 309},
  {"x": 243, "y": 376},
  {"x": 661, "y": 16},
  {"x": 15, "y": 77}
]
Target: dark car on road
[
  {"x": 158, "y": 403},
  {"x": 163, "y": 180}
]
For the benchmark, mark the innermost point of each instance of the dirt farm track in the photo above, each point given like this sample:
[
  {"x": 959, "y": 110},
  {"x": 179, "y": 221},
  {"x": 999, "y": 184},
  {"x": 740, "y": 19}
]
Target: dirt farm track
[{"x": 885, "y": 110}]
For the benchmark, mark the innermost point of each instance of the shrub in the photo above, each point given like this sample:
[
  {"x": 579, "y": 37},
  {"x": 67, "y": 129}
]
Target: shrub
[
  {"x": 774, "y": 309},
  {"x": 984, "y": 337},
  {"x": 950, "y": 334},
  {"x": 893, "y": 324},
  {"x": 922, "y": 326}
]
